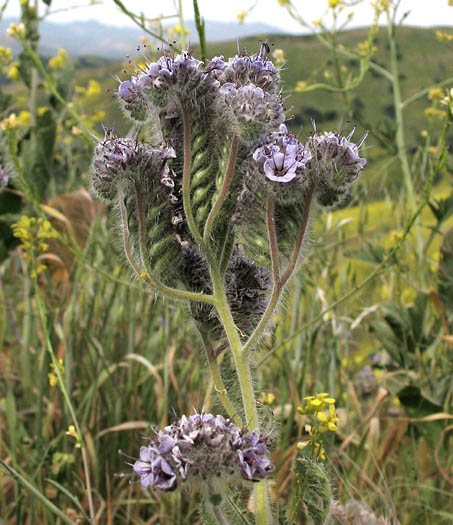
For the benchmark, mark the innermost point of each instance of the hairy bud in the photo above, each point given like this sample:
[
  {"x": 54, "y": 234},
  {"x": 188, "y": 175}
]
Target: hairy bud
[{"x": 335, "y": 164}]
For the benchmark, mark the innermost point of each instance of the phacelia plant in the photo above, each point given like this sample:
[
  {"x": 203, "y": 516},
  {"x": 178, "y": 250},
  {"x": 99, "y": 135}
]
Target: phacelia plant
[{"x": 214, "y": 211}]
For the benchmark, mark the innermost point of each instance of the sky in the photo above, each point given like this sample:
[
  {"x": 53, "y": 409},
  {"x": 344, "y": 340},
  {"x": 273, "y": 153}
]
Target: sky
[{"x": 422, "y": 13}]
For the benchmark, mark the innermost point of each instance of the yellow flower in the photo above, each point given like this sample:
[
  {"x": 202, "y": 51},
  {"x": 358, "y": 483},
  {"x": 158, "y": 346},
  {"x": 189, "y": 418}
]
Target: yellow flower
[
  {"x": 13, "y": 71},
  {"x": 177, "y": 30},
  {"x": 365, "y": 49},
  {"x": 53, "y": 380},
  {"x": 279, "y": 56},
  {"x": 444, "y": 37},
  {"x": 302, "y": 444},
  {"x": 284, "y": 3},
  {"x": 316, "y": 404},
  {"x": 267, "y": 398},
  {"x": 59, "y": 61},
  {"x": 381, "y": 5},
  {"x": 328, "y": 422},
  {"x": 93, "y": 89},
  {"x": 24, "y": 118},
  {"x": 32, "y": 233},
  {"x": 9, "y": 122},
  {"x": 6, "y": 55},
  {"x": 300, "y": 85},
  {"x": 317, "y": 22},
  {"x": 436, "y": 93},
  {"x": 434, "y": 112},
  {"x": 333, "y": 3},
  {"x": 241, "y": 16},
  {"x": 16, "y": 30}
]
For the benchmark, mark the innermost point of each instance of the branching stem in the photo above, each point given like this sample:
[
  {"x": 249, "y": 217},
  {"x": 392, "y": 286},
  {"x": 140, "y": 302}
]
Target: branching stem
[{"x": 280, "y": 283}]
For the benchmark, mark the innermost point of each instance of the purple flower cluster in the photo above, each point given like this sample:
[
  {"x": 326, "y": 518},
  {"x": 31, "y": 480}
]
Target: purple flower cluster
[
  {"x": 283, "y": 158},
  {"x": 201, "y": 446},
  {"x": 121, "y": 160},
  {"x": 243, "y": 69},
  {"x": 161, "y": 74}
]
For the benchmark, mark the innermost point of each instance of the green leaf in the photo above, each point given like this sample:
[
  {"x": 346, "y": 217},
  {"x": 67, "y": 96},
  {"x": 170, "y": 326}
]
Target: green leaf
[
  {"x": 38, "y": 153},
  {"x": 369, "y": 253},
  {"x": 313, "y": 491},
  {"x": 443, "y": 208},
  {"x": 445, "y": 272},
  {"x": 72, "y": 497}
]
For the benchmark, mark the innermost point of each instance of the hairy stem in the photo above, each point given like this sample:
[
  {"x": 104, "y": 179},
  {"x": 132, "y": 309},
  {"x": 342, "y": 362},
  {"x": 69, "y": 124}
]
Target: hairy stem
[
  {"x": 218, "y": 383},
  {"x": 224, "y": 191},
  {"x": 280, "y": 283},
  {"x": 272, "y": 237},
  {"x": 242, "y": 366}
]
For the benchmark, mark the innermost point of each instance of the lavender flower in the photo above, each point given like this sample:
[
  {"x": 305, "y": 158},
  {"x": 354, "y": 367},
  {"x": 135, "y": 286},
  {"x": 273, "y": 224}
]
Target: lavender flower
[
  {"x": 255, "y": 110},
  {"x": 284, "y": 158},
  {"x": 201, "y": 446}
]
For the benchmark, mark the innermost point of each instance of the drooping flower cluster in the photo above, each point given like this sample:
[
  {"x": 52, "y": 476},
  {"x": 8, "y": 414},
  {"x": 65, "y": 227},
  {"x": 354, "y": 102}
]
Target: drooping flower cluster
[
  {"x": 335, "y": 164},
  {"x": 201, "y": 446},
  {"x": 119, "y": 162}
]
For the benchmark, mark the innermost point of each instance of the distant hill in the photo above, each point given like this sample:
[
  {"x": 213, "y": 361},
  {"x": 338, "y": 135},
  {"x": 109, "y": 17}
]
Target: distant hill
[{"x": 113, "y": 42}]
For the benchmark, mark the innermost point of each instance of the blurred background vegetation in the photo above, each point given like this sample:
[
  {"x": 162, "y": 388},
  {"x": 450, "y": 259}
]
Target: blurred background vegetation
[{"x": 369, "y": 319}]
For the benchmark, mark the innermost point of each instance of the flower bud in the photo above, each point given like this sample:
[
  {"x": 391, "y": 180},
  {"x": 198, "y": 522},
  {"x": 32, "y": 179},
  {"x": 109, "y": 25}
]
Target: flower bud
[
  {"x": 335, "y": 164},
  {"x": 257, "y": 112}
]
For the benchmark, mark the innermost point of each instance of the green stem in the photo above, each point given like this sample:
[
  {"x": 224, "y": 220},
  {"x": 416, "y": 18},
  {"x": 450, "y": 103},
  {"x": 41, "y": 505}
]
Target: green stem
[
  {"x": 224, "y": 191},
  {"x": 218, "y": 383},
  {"x": 400, "y": 138},
  {"x": 242, "y": 365},
  {"x": 61, "y": 384},
  {"x": 37, "y": 493}
]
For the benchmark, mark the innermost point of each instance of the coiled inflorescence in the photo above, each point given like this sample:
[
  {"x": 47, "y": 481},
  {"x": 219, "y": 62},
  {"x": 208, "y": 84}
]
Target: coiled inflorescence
[
  {"x": 221, "y": 136},
  {"x": 200, "y": 447}
]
